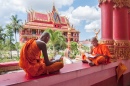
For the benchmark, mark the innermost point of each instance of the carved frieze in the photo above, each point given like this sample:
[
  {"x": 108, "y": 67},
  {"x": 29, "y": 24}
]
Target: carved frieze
[
  {"x": 121, "y": 3},
  {"x": 121, "y": 43},
  {"x": 122, "y": 49},
  {"x": 108, "y": 42},
  {"x": 103, "y": 1},
  {"x": 118, "y": 3}
]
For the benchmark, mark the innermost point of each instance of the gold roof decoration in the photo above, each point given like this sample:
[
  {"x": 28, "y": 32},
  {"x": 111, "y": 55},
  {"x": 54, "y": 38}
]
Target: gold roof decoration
[
  {"x": 102, "y": 1},
  {"x": 121, "y": 3},
  {"x": 118, "y": 3}
]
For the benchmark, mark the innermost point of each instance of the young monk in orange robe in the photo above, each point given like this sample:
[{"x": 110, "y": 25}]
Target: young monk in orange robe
[
  {"x": 30, "y": 60},
  {"x": 100, "y": 52}
]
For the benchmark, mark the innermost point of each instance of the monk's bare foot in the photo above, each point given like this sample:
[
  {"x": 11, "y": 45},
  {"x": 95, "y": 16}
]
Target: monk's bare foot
[
  {"x": 55, "y": 72},
  {"x": 91, "y": 64},
  {"x": 84, "y": 61}
]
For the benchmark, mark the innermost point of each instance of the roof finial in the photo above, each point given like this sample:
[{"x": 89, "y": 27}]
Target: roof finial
[{"x": 53, "y": 9}]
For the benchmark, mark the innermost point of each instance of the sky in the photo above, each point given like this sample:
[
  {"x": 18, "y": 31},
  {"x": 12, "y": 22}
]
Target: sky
[{"x": 84, "y": 15}]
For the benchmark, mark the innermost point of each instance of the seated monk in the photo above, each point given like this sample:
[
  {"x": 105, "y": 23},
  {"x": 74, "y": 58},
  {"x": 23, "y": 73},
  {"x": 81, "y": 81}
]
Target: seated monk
[
  {"x": 100, "y": 54},
  {"x": 30, "y": 60}
]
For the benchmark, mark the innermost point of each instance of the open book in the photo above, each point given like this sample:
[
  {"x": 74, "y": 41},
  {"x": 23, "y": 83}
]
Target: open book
[
  {"x": 89, "y": 55},
  {"x": 57, "y": 57}
]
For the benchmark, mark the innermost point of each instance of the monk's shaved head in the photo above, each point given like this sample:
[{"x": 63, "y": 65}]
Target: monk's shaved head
[
  {"x": 45, "y": 34},
  {"x": 45, "y": 37},
  {"x": 94, "y": 39}
]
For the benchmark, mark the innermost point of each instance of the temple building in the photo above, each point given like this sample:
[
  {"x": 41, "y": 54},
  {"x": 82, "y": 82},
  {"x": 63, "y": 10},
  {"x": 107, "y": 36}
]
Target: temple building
[{"x": 38, "y": 22}]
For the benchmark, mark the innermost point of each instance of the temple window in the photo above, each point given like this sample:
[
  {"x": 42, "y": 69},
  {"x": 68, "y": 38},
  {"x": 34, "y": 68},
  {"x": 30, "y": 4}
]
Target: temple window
[
  {"x": 41, "y": 31},
  {"x": 71, "y": 39},
  {"x": 71, "y": 34},
  {"x": 33, "y": 31}
]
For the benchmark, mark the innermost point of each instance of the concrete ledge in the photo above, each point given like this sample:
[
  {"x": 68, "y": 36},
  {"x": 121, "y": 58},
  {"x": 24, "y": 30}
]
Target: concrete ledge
[
  {"x": 15, "y": 63},
  {"x": 77, "y": 74},
  {"x": 9, "y": 66}
]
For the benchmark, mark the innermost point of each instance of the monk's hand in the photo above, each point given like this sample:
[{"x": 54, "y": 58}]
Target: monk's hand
[
  {"x": 98, "y": 55},
  {"x": 59, "y": 60},
  {"x": 52, "y": 59},
  {"x": 49, "y": 63},
  {"x": 106, "y": 57}
]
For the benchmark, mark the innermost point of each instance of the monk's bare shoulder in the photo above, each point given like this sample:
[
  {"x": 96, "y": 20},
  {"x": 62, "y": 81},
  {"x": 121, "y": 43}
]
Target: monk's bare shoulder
[{"x": 40, "y": 44}]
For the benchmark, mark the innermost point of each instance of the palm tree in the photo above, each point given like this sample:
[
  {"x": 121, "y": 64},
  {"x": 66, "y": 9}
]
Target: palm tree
[
  {"x": 2, "y": 34},
  {"x": 16, "y": 26},
  {"x": 9, "y": 33},
  {"x": 1, "y": 29},
  {"x": 2, "y": 37},
  {"x": 56, "y": 38}
]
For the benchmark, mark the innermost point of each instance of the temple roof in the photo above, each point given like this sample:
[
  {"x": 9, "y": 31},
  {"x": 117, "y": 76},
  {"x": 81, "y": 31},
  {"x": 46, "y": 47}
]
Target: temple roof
[
  {"x": 42, "y": 17},
  {"x": 53, "y": 20}
]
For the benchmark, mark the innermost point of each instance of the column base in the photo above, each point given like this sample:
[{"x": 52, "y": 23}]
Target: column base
[{"x": 122, "y": 49}]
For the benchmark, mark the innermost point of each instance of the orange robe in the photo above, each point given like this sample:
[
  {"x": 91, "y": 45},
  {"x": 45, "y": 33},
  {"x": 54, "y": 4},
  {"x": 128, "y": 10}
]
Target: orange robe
[
  {"x": 120, "y": 70},
  {"x": 84, "y": 57},
  {"x": 31, "y": 62},
  {"x": 100, "y": 49}
]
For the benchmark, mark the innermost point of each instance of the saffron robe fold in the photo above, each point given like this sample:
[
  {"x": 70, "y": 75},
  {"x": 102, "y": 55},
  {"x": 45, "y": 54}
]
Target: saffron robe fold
[
  {"x": 101, "y": 49},
  {"x": 120, "y": 70},
  {"x": 31, "y": 62}
]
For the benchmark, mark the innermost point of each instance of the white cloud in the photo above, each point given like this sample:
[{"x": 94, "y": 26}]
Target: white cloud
[
  {"x": 86, "y": 13},
  {"x": 90, "y": 15},
  {"x": 69, "y": 15},
  {"x": 93, "y": 25},
  {"x": 9, "y": 7}
]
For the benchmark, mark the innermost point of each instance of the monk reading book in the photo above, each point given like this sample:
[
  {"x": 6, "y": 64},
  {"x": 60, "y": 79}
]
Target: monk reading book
[
  {"x": 99, "y": 54},
  {"x": 30, "y": 60}
]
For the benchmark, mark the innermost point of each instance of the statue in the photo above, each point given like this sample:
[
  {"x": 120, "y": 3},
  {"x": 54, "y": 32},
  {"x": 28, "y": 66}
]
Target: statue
[{"x": 96, "y": 33}]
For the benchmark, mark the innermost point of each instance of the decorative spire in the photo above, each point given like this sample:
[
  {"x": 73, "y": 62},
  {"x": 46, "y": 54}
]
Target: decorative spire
[{"x": 53, "y": 9}]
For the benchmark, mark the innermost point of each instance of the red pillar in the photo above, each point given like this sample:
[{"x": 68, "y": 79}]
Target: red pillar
[
  {"x": 107, "y": 20},
  {"x": 129, "y": 23},
  {"x": 120, "y": 23},
  {"x": 107, "y": 24},
  {"x": 129, "y": 29},
  {"x": 69, "y": 37},
  {"x": 120, "y": 32}
]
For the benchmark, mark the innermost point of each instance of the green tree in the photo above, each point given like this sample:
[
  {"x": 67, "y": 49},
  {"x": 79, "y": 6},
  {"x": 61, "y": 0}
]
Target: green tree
[
  {"x": 2, "y": 34},
  {"x": 56, "y": 39},
  {"x": 2, "y": 40},
  {"x": 16, "y": 26},
  {"x": 9, "y": 33},
  {"x": 73, "y": 48}
]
